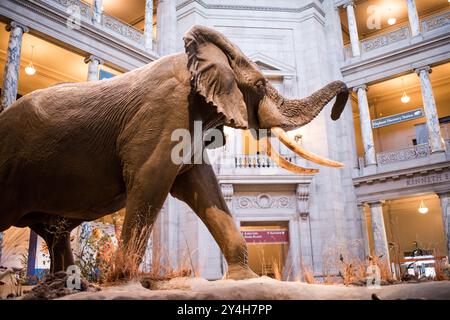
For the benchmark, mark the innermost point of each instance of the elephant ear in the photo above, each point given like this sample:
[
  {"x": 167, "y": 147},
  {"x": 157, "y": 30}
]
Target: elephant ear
[{"x": 212, "y": 76}]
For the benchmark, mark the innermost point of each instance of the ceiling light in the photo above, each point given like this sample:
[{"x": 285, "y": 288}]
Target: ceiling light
[
  {"x": 422, "y": 208},
  {"x": 30, "y": 69},
  {"x": 391, "y": 20},
  {"x": 405, "y": 98}
]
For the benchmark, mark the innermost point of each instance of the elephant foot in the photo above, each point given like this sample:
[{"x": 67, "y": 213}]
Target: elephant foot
[{"x": 240, "y": 273}]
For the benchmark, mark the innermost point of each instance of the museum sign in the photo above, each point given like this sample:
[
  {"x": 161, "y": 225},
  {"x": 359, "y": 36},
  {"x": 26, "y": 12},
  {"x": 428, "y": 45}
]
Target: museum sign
[
  {"x": 397, "y": 118},
  {"x": 266, "y": 236}
]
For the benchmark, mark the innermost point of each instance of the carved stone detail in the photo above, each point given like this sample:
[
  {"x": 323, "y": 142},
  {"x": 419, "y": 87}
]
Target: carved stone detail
[
  {"x": 385, "y": 39},
  {"x": 227, "y": 191},
  {"x": 302, "y": 194},
  {"x": 435, "y": 22},
  {"x": 264, "y": 201},
  {"x": 412, "y": 153}
]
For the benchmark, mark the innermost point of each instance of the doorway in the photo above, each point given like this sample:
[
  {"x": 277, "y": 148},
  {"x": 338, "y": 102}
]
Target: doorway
[{"x": 268, "y": 244}]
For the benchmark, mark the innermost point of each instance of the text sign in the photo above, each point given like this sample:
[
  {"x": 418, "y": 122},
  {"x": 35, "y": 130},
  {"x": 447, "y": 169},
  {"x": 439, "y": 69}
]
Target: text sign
[
  {"x": 397, "y": 118},
  {"x": 266, "y": 236},
  {"x": 430, "y": 179}
]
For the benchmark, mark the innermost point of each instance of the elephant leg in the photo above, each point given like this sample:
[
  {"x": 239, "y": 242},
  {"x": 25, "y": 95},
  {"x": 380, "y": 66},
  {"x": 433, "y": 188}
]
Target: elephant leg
[
  {"x": 198, "y": 187},
  {"x": 145, "y": 198},
  {"x": 57, "y": 238}
]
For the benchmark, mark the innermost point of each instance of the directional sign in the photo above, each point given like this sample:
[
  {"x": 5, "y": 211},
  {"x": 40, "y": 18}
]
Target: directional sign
[
  {"x": 397, "y": 118},
  {"x": 266, "y": 236}
]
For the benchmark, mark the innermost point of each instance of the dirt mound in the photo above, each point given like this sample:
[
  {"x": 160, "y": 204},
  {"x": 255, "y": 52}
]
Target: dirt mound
[{"x": 55, "y": 286}]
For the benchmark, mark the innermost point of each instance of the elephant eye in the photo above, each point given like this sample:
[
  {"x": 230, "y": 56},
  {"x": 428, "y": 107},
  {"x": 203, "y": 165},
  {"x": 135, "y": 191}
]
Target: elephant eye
[{"x": 260, "y": 83}]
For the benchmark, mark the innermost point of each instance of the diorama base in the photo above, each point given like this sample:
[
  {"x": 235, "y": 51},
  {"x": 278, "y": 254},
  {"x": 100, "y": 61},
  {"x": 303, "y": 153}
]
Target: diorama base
[{"x": 264, "y": 288}]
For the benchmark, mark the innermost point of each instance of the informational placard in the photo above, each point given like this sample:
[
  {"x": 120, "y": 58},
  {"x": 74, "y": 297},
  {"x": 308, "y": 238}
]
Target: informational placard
[
  {"x": 397, "y": 118},
  {"x": 266, "y": 236}
]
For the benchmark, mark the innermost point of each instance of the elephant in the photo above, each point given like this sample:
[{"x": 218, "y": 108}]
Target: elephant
[{"x": 76, "y": 152}]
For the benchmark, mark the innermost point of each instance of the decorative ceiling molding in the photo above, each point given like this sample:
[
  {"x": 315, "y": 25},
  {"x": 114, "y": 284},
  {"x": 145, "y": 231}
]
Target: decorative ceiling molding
[{"x": 311, "y": 5}]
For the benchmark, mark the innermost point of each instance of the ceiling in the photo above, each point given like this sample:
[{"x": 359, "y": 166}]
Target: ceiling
[
  {"x": 411, "y": 204},
  {"x": 53, "y": 63},
  {"x": 387, "y": 8}
]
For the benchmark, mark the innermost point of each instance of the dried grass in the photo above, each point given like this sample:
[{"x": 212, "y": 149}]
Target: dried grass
[
  {"x": 123, "y": 262},
  {"x": 276, "y": 268}
]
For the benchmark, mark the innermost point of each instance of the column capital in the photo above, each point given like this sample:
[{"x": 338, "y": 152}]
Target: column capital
[
  {"x": 348, "y": 3},
  {"x": 361, "y": 86},
  {"x": 443, "y": 194},
  {"x": 376, "y": 203},
  {"x": 360, "y": 205},
  {"x": 93, "y": 58},
  {"x": 14, "y": 24},
  {"x": 227, "y": 191},
  {"x": 423, "y": 68}
]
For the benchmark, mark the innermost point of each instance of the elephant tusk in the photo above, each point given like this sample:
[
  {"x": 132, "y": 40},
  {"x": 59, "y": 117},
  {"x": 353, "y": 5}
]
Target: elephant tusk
[
  {"x": 288, "y": 142},
  {"x": 282, "y": 162}
]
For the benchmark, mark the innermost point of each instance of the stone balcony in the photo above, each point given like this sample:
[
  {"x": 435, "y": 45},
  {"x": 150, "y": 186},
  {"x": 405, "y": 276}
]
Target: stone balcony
[
  {"x": 109, "y": 24},
  {"x": 70, "y": 23},
  {"x": 391, "y": 39},
  {"x": 405, "y": 158},
  {"x": 396, "y": 51},
  {"x": 251, "y": 164}
]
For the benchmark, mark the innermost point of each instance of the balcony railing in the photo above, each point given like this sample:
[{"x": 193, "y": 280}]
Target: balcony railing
[
  {"x": 258, "y": 161},
  {"x": 428, "y": 24},
  {"x": 406, "y": 154},
  {"x": 109, "y": 23}
]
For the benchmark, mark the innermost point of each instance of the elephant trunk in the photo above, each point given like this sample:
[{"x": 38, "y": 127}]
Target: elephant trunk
[
  {"x": 278, "y": 113},
  {"x": 294, "y": 113}
]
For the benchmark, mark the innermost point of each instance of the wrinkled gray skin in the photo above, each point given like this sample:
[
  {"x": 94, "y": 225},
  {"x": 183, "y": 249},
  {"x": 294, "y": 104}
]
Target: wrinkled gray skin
[{"x": 78, "y": 151}]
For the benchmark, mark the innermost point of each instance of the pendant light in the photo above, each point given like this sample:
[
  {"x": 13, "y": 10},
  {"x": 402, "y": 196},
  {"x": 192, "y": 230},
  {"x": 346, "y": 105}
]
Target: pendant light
[
  {"x": 30, "y": 69},
  {"x": 391, "y": 20},
  {"x": 422, "y": 208},
  {"x": 405, "y": 98}
]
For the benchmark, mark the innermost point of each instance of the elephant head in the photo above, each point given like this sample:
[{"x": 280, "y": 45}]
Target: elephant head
[{"x": 233, "y": 85}]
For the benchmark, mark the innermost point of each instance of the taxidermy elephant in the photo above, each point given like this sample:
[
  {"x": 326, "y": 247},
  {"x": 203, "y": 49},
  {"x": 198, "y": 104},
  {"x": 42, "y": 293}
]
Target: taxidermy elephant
[{"x": 76, "y": 152}]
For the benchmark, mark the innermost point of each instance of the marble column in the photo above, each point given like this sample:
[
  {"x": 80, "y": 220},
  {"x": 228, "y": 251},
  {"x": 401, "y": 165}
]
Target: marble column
[
  {"x": 379, "y": 231},
  {"x": 166, "y": 27},
  {"x": 413, "y": 17},
  {"x": 97, "y": 11},
  {"x": 302, "y": 226},
  {"x": 429, "y": 105},
  {"x": 93, "y": 75},
  {"x": 11, "y": 71},
  {"x": 352, "y": 28},
  {"x": 364, "y": 230},
  {"x": 445, "y": 209},
  {"x": 93, "y": 65},
  {"x": 148, "y": 26},
  {"x": 366, "y": 125}
]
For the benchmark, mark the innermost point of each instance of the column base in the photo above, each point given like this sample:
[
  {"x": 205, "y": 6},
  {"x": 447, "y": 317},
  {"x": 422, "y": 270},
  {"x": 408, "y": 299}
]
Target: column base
[{"x": 370, "y": 169}]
